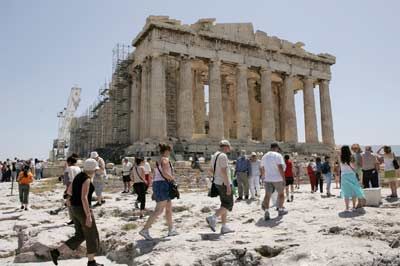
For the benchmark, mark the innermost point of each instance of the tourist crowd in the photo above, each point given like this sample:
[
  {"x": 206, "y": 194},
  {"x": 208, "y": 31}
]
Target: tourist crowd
[{"x": 352, "y": 171}]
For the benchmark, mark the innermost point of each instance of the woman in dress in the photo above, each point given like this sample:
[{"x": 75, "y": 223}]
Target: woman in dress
[
  {"x": 350, "y": 186},
  {"x": 390, "y": 171}
]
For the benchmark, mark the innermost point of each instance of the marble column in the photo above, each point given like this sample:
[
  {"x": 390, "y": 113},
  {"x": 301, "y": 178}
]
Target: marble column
[
  {"x": 289, "y": 111},
  {"x": 215, "y": 116},
  {"x": 268, "y": 116},
  {"x": 135, "y": 107},
  {"x": 143, "y": 114},
  {"x": 310, "y": 116},
  {"x": 199, "y": 106},
  {"x": 158, "y": 114},
  {"x": 185, "y": 100},
  {"x": 242, "y": 110},
  {"x": 326, "y": 113}
]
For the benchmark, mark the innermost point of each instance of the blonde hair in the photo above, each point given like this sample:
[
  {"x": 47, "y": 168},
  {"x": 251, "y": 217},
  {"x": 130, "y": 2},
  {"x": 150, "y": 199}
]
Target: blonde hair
[{"x": 356, "y": 148}]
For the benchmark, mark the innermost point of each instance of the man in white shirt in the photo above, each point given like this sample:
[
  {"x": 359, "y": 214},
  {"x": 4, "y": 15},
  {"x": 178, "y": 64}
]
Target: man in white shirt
[
  {"x": 273, "y": 173},
  {"x": 126, "y": 174},
  {"x": 221, "y": 173},
  {"x": 98, "y": 179}
]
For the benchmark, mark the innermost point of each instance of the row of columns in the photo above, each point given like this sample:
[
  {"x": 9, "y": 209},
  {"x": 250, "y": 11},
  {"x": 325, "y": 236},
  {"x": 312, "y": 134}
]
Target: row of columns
[{"x": 154, "y": 121}]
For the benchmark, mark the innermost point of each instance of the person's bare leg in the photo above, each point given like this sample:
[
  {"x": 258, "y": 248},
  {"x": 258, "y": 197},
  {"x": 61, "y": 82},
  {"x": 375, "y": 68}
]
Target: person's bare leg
[
  {"x": 287, "y": 191},
  {"x": 90, "y": 257},
  {"x": 354, "y": 200},
  {"x": 266, "y": 200},
  {"x": 224, "y": 214},
  {"x": 128, "y": 187},
  {"x": 347, "y": 203},
  {"x": 281, "y": 199},
  {"x": 168, "y": 214},
  {"x": 157, "y": 212},
  {"x": 292, "y": 189}
]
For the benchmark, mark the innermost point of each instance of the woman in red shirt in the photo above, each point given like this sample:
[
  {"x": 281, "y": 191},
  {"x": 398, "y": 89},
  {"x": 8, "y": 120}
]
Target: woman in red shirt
[{"x": 289, "y": 179}]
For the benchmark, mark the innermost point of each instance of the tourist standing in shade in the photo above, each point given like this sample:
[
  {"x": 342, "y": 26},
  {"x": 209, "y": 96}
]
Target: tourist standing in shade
[
  {"x": 147, "y": 171},
  {"x": 221, "y": 172},
  {"x": 326, "y": 170},
  {"x": 126, "y": 174},
  {"x": 163, "y": 175},
  {"x": 24, "y": 180},
  {"x": 318, "y": 174},
  {"x": 79, "y": 199},
  {"x": 311, "y": 167},
  {"x": 273, "y": 173},
  {"x": 370, "y": 168},
  {"x": 289, "y": 178},
  {"x": 255, "y": 172},
  {"x": 242, "y": 175},
  {"x": 357, "y": 160},
  {"x": 350, "y": 186},
  {"x": 390, "y": 171},
  {"x": 98, "y": 180},
  {"x": 140, "y": 184}
]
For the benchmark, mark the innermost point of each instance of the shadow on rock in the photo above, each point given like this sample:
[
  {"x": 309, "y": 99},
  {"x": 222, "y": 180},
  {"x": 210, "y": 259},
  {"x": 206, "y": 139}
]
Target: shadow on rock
[
  {"x": 357, "y": 213},
  {"x": 210, "y": 237},
  {"x": 270, "y": 223}
]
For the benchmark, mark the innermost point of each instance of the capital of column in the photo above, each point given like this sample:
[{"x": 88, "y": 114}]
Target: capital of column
[{"x": 265, "y": 70}]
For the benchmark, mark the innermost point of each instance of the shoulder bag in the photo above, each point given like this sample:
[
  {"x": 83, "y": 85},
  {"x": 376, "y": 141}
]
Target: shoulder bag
[
  {"x": 173, "y": 187},
  {"x": 395, "y": 162},
  {"x": 214, "y": 190},
  {"x": 144, "y": 181}
]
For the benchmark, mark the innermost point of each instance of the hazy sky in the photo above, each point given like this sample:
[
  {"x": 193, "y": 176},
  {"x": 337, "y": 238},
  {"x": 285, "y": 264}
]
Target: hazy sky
[{"x": 48, "y": 46}]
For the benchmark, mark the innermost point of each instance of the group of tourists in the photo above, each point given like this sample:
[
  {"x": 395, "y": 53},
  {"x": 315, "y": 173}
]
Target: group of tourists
[
  {"x": 10, "y": 169},
  {"x": 278, "y": 173}
]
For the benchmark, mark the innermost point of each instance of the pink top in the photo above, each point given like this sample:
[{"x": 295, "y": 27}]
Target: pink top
[{"x": 157, "y": 175}]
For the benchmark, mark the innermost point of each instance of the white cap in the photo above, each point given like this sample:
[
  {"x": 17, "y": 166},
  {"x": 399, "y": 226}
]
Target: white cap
[
  {"x": 224, "y": 142},
  {"x": 253, "y": 154},
  {"x": 90, "y": 165},
  {"x": 94, "y": 155}
]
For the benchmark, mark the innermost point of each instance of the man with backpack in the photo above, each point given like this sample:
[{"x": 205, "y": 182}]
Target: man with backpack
[
  {"x": 327, "y": 174},
  {"x": 222, "y": 183}
]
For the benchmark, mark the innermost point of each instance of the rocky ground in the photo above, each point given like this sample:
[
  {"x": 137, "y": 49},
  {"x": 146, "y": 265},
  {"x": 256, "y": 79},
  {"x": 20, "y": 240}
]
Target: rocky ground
[{"x": 315, "y": 232}]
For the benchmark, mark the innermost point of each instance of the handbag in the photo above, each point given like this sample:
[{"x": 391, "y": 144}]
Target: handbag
[
  {"x": 214, "y": 190},
  {"x": 173, "y": 187},
  {"x": 395, "y": 162}
]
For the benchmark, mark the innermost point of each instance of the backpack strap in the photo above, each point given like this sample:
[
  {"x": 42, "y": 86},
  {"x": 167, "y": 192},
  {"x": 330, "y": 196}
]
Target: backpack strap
[
  {"x": 137, "y": 172},
  {"x": 215, "y": 166},
  {"x": 161, "y": 173}
]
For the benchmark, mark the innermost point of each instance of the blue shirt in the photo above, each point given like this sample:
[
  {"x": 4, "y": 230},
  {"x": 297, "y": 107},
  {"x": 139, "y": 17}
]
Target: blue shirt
[{"x": 243, "y": 165}]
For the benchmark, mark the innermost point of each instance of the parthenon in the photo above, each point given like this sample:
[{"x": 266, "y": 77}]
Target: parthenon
[{"x": 196, "y": 84}]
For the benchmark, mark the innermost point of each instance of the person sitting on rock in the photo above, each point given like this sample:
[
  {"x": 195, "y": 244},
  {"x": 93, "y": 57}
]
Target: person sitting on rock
[
  {"x": 219, "y": 163},
  {"x": 79, "y": 197}
]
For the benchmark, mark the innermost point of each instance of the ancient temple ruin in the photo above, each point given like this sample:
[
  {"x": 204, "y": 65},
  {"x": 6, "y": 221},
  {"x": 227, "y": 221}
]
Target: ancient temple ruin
[{"x": 193, "y": 85}]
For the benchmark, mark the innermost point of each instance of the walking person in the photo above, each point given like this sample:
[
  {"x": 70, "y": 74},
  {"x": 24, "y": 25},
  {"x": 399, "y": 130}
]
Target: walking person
[
  {"x": 38, "y": 170},
  {"x": 390, "y": 170},
  {"x": 163, "y": 175},
  {"x": 13, "y": 171},
  {"x": 255, "y": 172},
  {"x": 221, "y": 173},
  {"x": 311, "y": 174},
  {"x": 350, "y": 186},
  {"x": 298, "y": 172},
  {"x": 370, "y": 168},
  {"x": 71, "y": 171},
  {"x": 289, "y": 179},
  {"x": 24, "y": 180},
  {"x": 336, "y": 173},
  {"x": 139, "y": 184},
  {"x": 273, "y": 173},
  {"x": 126, "y": 174},
  {"x": 327, "y": 175},
  {"x": 318, "y": 174},
  {"x": 79, "y": 197},
  {"x": 98, "y": 180},
  {"x": 242, "y": 176}
]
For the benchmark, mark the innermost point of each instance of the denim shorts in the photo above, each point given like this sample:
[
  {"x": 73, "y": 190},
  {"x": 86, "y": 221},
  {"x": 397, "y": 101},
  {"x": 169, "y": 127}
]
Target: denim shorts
[{"x": 161, "y": 191}]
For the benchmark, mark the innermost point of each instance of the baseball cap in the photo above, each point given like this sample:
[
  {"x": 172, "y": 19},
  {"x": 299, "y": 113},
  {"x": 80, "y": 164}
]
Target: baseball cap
[
  {"x": 94, "y": 155},
  {"x": 90, "y": 165},
  {"x": 224, "y": 142}
]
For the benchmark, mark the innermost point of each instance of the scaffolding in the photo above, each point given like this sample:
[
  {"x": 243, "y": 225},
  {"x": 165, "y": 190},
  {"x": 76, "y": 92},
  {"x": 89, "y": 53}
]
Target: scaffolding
[{"x": 120, "y": 53}]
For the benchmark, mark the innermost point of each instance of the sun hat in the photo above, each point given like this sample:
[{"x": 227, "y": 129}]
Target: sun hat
[
  {"x": 90, "y": 165},
  {"x": 94, "y": 155},
  {"x": 224, "y": 142}
]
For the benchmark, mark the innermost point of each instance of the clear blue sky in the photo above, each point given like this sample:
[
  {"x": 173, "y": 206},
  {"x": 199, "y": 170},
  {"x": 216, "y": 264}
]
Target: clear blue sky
[{"x": 48, "y": 46}]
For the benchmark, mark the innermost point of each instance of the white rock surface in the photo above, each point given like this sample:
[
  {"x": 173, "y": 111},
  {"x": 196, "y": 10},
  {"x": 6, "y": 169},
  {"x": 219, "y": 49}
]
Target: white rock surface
[{"x": 315, "y": 232}]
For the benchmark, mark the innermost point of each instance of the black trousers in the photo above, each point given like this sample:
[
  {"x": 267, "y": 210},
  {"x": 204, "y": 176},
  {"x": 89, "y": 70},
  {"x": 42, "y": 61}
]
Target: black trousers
[
  {"x": 140, "y": 189},
  {"x": 320, "y": 182},
  {"x": 370, "y": 177}
]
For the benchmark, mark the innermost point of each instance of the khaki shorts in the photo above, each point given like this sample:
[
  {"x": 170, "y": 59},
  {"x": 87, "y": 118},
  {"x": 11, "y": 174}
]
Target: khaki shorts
[
  {"x": 226, "y": 200},
  {"x": 270, "y": 187}
]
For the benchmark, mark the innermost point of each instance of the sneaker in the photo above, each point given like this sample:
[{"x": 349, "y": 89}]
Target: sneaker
[
  {"x": 22, "y": 207},
  {"x": 172, "y": 232},
  {"x": 212, "y": 222},
  {"x": 288, "y": 200},
  {"x": 266, "y": 216},
  {"x": 103, "y": 201},
  {"x": 26, "y": 208},
  {"x": 246, "y": 197},
  {"x": 226, "y": 230},
  {"x": 239, "y": 199},
  {"x": 282, "y": 212},
  {"x": 70, "y": 222},
  {"x": 124, "y": 192},
  {"x": 94, "y": 263},
  {"x": 54, "y": 254},
  {"x": 145, "y": 234}
]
